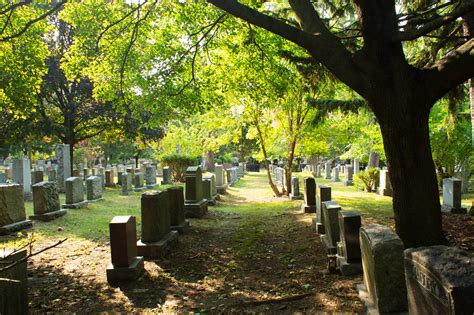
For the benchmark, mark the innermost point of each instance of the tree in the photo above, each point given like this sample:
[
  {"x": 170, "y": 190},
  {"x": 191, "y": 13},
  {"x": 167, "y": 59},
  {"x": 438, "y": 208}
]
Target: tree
[{"x": 372, "y": 61}]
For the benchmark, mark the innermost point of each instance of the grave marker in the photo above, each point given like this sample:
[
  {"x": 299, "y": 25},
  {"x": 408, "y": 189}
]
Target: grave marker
[
  {"x": 177, "y": 217},
  {"x": 94, "y": 188},
  {"x": 295, "y": 189},
  {"x": 348, "y": 249},
  {"x": 12, "y": 209},
  {"x": 166, "y": 176},
  {"x": 46, "y": 206},
  {"x": 195, "y": 205},
  {"x": 309, "y": 205},
  {"x": 452, "y": 196},
  {"x": 74, "y": 194}
]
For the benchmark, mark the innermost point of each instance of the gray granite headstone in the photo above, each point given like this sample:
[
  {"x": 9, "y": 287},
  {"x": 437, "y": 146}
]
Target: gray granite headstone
[
  {"x": 22, "y": 175},
  {"x": 295, "y": 189},
  {"x": 348, "y": 249},
  {"x": 331, "y": 224},
  {"x": 327, "y": 170},
  {"x": 452, "y": 196},
  {"x": 150, "y": 176},
  {"x": 74, "y": 193},
  {"x": 323, "y": 194},
  {"x": 385, "y": 187},
  {"x": 195, "y": 204},
  {"x": 177, "y": 216},
  {"x": 348, "y": 172},
  {"x": 12, "y": 209},
  {"x": 94, "y": 188},
  {"x": 335, "y": 174}
]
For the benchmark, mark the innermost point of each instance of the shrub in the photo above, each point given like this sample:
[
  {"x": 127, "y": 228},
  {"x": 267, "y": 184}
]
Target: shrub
[
  {"x": 367, "y": 180},
  {"x": 178, "y": 163}
]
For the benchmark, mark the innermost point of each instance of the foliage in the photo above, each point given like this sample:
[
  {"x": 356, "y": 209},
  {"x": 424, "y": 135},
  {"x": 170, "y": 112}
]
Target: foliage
[
  {"x": 178, "y": 164},
  {"x": 367, "y": 179}
]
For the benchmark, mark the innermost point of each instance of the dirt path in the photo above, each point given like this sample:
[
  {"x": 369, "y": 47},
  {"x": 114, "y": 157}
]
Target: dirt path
[{"x": 253, "y": 252}]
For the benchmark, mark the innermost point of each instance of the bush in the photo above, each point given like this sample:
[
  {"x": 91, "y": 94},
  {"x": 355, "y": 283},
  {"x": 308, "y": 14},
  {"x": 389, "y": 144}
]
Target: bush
[
  {"x": 367, "y": 180},
  {"x": 178, "y": 163}
]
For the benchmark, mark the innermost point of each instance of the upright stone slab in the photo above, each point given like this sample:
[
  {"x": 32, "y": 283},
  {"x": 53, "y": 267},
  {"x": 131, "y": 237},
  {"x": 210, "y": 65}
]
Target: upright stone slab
[
  {"x": 384, "y": 289},
  {"x": 119, "y": 177},
  {"x": 110, "y": 178},
  {"x": 12, "y": 209},
  {"x": 74, "y": 194},
  {"x": 327, "y": 170},
  {"x": 348, "y": 172},
  {"x": 86, "y": 172},
  {"x": 220, "y": 179},
  {"x": 335, "y": 174},
  {"x": 323, "y": 194},
  {"x": 318, "y": 170},
  {"x": 329, "y": 240},
  {"x": 52, "y": 177},
  {"x": 356, "y": 166},
  {"x": 150, "y": 176},
  {"x": 166, "y": 176},
  {"x": 13, "y": 282},
  {"x": 3, "y": 178},
  {"x": 440, "y": 280},
  {"x": 46, "y": 205},
  {"x": 138, "y": 182},
  {"x": 94, "y": 188},
  {"x": 206, "y": 191},
  {"x": 125, "y": 265},
  {"x": 22, "y": 175},
  {"x": 63, "y": 158},
  {"x": 177, "y": 217},
  {"x": 348, "y": 249},
  {"x": 36, "y": 177},
  {"x": 126, "y": 183},
  {"x": 452, "y": 196},
  {"x": 157, "y": 237},
  {"x": 385, "y": 187},
  {"x": 295, "y": 189},
  {"x": 214, "y": 194},
  {"x": 309, "y": 205},
  {"x": 195, "y": 206},
  {"x": 229, "y": 177}
]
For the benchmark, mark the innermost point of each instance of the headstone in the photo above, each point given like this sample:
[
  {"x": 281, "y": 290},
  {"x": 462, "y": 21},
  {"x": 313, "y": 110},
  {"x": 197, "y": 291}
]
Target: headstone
[
  {"x": 384, "y": 289},
  {"x": 309, "y": 205},
  {"x": 64, "y": 165},
  {"x": 229, "y": 177},
  {"x": 12, "y": 209},
  {"x": 138, "y": 182},
  {"x": 335, "y": 174},
  {"x": 318, "y": 170},
  {"x": 220, "y": 179},
  {"x": 329, "y": 240},
  {"x": 13, "y": 282},
  {"x": 177, "y": 217},
  {"x": 356, "y": 166},
  {"x": 150, "y": 176},
  {"x": 440, "y": 280},
  {"x": 348, "y": 171},
  {"x": 385, "y": 187},
  {"x": 206, "y": 191},
  {"x": 22, "y": 175},
  {"x": 166, "y": 176},
  {"x": 327, "y": 170},
  {"x": 348, "y": 249},
  {"x": 125, "y": 265},
  {"x": 36, "y": 177},
  {"x": 86, "y": 172},
  {"x": 74, "y": 194},
  {"x": 195, "y": 206},
  {"x": 323, "y": 194},
  {"x": 157, "y": 237},
  {"x": 9, "y": 172},
  {"x": 126, "y": 183},
  {"x": 52, "y": 175},
  {"x": 295, "y": 189},
  {"x": 94, "y": 188},
  {"x": 452, "y": 196},
  {"x": 3, "y": 178},
  {"x": 46, "y": 206},
  {"x": 109, "y": 178},
  {"x": 119, "y": 177},
  {"x": 159, "y": 171}
]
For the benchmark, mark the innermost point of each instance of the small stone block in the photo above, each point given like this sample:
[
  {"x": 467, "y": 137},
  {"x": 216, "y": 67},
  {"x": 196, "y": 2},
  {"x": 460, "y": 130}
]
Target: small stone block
[
  {"x": 320, "y": 229},
  {"x": 78, "y": 205},
  {"x": 308, "y": 209},
  {"x": 195, "y": 210},
  {"x": 160, "y": 248},
  {"x": 116, "y": 275}
]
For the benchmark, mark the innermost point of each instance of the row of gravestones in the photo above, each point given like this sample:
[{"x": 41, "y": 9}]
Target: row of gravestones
[{"x": 426, "y": 280}]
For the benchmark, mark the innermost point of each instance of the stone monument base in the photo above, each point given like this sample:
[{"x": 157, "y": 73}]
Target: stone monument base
[
  {"x": 385, "y": 192},
  {"x": 369, "y": 304},
  {"x": 151, "y": 186},
  {"x": 320, "y": 229},
  {"x": 307, "y": 209},
  {"x": 48, "y": 216},
  {"x": 347, "y": 182},
  {"x": 181, "y": 228},
  {"x": 78, "y": 205},
  {"x": 17, "y": 226},
  {"x": 329, "y": 250},
  {"x": 138, "y": 189},
  {"x": 96, "y": 200},
  {"x": 221, "y": 189},
  {"x": 348, "y": 269},
  {"x": 166, "y": 183},
  {"x": 195, "y": 209},
  {"x": 296, "y": 197},
  {"x": 449, "y": 209},
  {"x": 158, "y": 249},
  {"x": 116, "y": 275}
]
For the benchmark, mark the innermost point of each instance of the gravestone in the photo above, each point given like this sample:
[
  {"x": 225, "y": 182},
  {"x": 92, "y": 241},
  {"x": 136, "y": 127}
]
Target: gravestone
[
  {"x": 177, "y": 217},
  {"x": 3, "y": 178},
  {"x": 109, "y": 178},
  {"x": 63, "y": 158},
  {"x": 157, "y": 238},
  {"x": 166, "y": 176},
  {"x": 440, "y": 280},
  {"x": 119, "y": 177},
  {"x": 295, "y": 189},
  {"x": 74, "y": 194},
  {"x": 348, "y": 249},
  {"x": 214, "y": 194},
  {"x": 36, "y": 177},
  {"x": 22, "y": 175},
  {"x": 452, "y": 196},
  {"x": 309, "y": 205},
  {"x": 125, "y": 265},
  {"x": 329, "y": 240},
  {"x": 13, "y": 282},
  {"x": 46, "y": 206},
  {"x": 12, "y": 209},
  {"x": 348, "y": 172},
  {"x": 356, "y": 166},
  {"x": 206, "y": 191},
  {"x": 229, "y": 177},
  {"x": 318, "y": 170},
  {"x": 195, "y": 206},
  {"x": 94, "y": 189},
  {"x": 323, "y": 194},
  {"x": 385, "y": 187},
  {"x": 52, "y": 175},
  {"x": 159, "y": 171},
  {"x": 335, "y": 174},
  {"x": 384, "y": 289},
  {"x": 138, "y": 182},
  {"x": 150, "y": 176},
  {"x": 126, "y": 183},
  {"x": 220, "y": 179},
  {"x": 86, "y": 172},
  {"x": 327, "y": 170}
]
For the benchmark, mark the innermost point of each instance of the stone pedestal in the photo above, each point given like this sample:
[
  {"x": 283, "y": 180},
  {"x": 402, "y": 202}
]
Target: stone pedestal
[
  {"x": 46, "y": 205},
  {"x": 195, "y": 206},
  {"x": 177, "y": 218},
  {"x": 309, "y": 205},
  {"x": 12, "y": 209},
  {"x": 74, "y": 194}
]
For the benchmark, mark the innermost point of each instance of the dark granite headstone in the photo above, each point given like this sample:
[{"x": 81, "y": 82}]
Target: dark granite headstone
[
  {"x": 177, "y": 217},
  {"x": 323, "y": 194},
  {"x": 348, "y": 249},
  {"x": 46, "y": 204},
  {"x": 309, "y": 205}
]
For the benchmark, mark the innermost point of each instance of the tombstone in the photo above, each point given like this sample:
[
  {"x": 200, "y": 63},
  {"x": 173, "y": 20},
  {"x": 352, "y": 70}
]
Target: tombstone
[
  {"x": 125, "y": 264},
  {"x": 323, "y": 194},
  {"x": 138, "y": 182},
  {"x": 52, "y": 175},
  {"x": 327, "y": 170},
  {"x": 220, "y": 180},
  {"x": 157, "y": 237},
  {"x": 13, "y": 282},
  {"x": 384, "y": 289},
  {"x": 452, "y": 196},
  {"x": 36, "y": 177},
  {"x": 86, "y": 172},
  {"x": 295, "y": 189},
  {"x": 206, "y": 191},
  {"x": 22, "y": 175},
  {"x": 348, "y": 257},
  {"x": 385, "y": 187},
  {"x": 195, "y": 206},
  {"x": 64, "y": 165},
  {"x": 166, "y": 176},
  {"x": 318, "y": 170},
  {"x": 440, "y": 280},
  {"x": 177, "y": 217},
  {"x": 309, "y": 204},
  {"x": 94, "y": 189},
  {"x": 159, "y": 171},
  {"x": 131, "y": 170},
  {"x": 348, "y": 171},
  {"x": 356, "y": 166},
  {"x": 329, "y": 240},
  {"x": 109, "y": 178},
  {"x": 126, "y": 183},
  {"x": 150, "y": 176},
  {"x": 101, "y": 175},
  {"x": 46, "y": 206},
  {"x": 119, "y": 177},
  {"x": 74, "y": 194},
  {"x": 12, "y": 209},
  {"x": 3, "y": 178},
  {"x": 335, "y": 174}
]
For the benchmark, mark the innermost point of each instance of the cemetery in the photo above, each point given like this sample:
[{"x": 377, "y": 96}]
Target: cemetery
[{"x": 222, "y": 156}]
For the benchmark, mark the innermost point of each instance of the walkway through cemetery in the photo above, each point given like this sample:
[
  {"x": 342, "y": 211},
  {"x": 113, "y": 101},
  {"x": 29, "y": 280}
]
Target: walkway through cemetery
[{"x": 251, "y": 252}]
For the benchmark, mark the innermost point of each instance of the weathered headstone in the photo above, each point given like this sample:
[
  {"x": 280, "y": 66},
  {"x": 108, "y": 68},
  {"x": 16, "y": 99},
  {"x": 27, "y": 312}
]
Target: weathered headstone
[
  {"x": 119, "y": 177},
  {"x": 46, "y": 206},
  {"x": 52, "y": 175},
  {"x": 323, "y": 194},
  {"x": 126, "y": 183},
  {"x": 452, "y": 196},
  {"x": 94, "y": 188},
  {"x": 109, "y": 178},
  {"x": 335, "y": 174},
  {"x": 22, "y": 175},
  {"x": 177, "y": 217},
  {"x": 220, "y": 179},
  {"x": 125, "y": 265},
  {"x": 36, "y": 177},
  {"x": 195, "y": 206},
  {"x": 295, "y": 189},
  {"x": 64, "y": 165},
  {"x": 327, "y": 170},
  {"x": 138, "y": 182},
  {"x": 150, "y": 176},
  {"x": 74, "y": 194},
  {"x": 384, "y": 289},
  {"x": 440, "y": 280},
  {"x": 166, "y": 176},
  {"x": 13, "y": 282},
  {"x": 329, "y": 240},
  {"x": 385, "y": 187},
  {"x": 309, "y": 205},
  {"x": 157, "y": 237},
  {"x": 348, "y": 249},
  {"x": 348, "y": 172},
  {"x": 12, "y": 209},
  {"x": 206, "y": 191}
]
